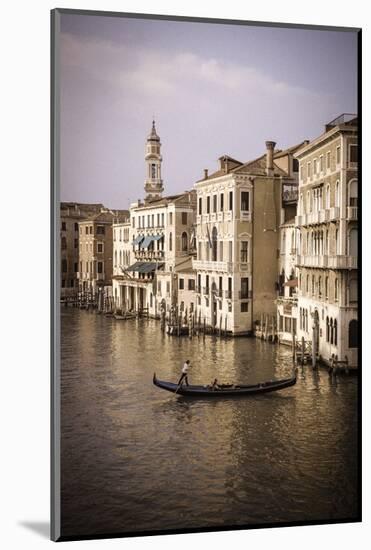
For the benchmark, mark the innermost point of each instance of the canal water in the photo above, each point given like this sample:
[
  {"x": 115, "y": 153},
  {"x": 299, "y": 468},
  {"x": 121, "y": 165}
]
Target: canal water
[{"x": 137, "y": 458}]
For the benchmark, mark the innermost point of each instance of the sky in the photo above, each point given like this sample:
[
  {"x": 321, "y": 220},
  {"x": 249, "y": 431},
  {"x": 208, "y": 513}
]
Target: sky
[{"x": 213, "y": 89}]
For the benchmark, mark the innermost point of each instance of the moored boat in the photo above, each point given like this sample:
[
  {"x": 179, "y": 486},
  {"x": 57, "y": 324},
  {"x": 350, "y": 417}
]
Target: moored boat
[{"x": 225, "y": 389}]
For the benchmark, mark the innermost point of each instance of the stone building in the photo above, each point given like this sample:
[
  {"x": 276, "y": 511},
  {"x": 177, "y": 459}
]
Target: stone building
[
  {"x": 96, "y": 250},
  {"x": 160, "y": 242},
  {"x": 327, "y": 241},
  {"x": 71, "y": 213},
  {"x": 239, "y": 210},
  {"x": 287, "y": 283}
]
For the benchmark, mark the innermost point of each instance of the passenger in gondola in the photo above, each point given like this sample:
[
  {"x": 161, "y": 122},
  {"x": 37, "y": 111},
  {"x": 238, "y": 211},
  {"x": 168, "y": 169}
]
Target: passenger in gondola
[
  {"x": 185, "y": 369},
  {"x": 214, "y": 385}
]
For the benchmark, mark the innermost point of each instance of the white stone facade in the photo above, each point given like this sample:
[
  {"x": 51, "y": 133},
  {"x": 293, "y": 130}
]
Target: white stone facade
[{"x": 327, "y": 242}]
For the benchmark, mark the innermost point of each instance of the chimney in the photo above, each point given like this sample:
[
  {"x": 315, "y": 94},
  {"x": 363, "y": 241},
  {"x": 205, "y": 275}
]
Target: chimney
[
  {"x": 270, "y": 145},
  {"x": 206, "y": 173},
  {"x": 306, "y": 142}
]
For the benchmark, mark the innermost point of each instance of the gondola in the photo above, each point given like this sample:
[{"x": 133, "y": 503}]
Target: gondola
[{"x": 225, "y": 389}]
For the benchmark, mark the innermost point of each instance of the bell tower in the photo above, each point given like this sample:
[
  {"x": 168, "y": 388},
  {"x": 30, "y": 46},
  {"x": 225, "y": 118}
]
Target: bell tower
[{"x": 153, "y": 184}]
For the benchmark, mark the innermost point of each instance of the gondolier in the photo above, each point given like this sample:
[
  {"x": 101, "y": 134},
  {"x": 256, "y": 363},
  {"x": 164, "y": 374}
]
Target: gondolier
[{"x": 185, "y": 369}]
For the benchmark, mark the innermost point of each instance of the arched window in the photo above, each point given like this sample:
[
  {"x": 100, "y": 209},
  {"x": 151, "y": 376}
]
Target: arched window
[
  {"x": 331, "y": 332},
  {"x": 313, "y": 285},
  {"x": 327, "y": 329},
  {"x": 353, "y": 193},
  {"x": 326, "y": 288},
  {"x": 353, "y": 242},
  {"x": 353, "y": 290},
  {"x": 328, "y": 196},
  {"x": 307, "y": 285},
  {"x": 184, "y": 242},
  {"x": 170, "y": 241},
  {"x": 335, "y": 333},
  {"x": 353, "y": 334},
  {"x": 336, "y": 290},
  {"x": 337, "y": 194},
  {"x": 214, "y": 242},
  {"x": 320, "y": 287}
]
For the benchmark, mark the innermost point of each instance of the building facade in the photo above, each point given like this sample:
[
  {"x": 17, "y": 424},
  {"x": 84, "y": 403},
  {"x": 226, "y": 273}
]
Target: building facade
[
  {"x": 160, "y": 243},
  {"x": 287, "y": 283},
  {"x": 328, "y": 241},
  {"x": 239, "y": 210},
  {"x": 96, "y": 250},
  {"x": 71, "y": 213}
]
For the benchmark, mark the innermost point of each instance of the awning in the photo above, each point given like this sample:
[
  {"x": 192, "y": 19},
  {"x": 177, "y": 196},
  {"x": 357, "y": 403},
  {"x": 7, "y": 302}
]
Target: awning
[
  {"x": 138, "y": 239},
  {"x": 135, "y": 267},
  {"x": 145, "y": 267},
  {"x": 291, "y": 282},
  {"x": 148, "y": 267},
  {"x": 147, "y": 241},
  {"x": 157, "y": 237}
]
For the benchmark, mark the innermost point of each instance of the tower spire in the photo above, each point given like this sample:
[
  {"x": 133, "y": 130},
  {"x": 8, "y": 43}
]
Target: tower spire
[{"x": 153, "y": 184}]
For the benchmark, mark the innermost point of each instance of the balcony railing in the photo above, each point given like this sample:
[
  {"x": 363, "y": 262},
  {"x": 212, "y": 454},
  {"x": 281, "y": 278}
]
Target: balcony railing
[
  {"x": 352, "y": 212},
  {"x": 332, "y": 262},
  {"x": 334, "y": 213},
  {"x": 207, "y": 265}
]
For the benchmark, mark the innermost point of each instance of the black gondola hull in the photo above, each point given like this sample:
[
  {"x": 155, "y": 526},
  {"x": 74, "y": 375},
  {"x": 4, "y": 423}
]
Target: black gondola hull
[{"x": 227, "y": 390}]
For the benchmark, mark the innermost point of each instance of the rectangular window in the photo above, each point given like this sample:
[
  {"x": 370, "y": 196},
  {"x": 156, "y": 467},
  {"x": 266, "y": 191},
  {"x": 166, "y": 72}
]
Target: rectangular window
[
  {"x": 199, "y": 282},
  {"x": 162, "y": 220},
  {"x": 244, "y": 287},
  {"x": 133, "y": 222},
  {"x": 245, "y": 196},
  {"x": 184, "y": 218},
  {"x": 222, "y": 202},
  {"x": 207, "y": 205},
  {"x": 231, "y": 200},
  {"x": 181, "y": 284},
  {"x": 63, "y": 226},
  {"x": 153, "y": 220},
  {"x": 220, "y": 286},
  {"x": 353, "y": 153},
  {"x": 64, "y": 266},
  {"x": 230, "y": 258},
  {"x": 86, "y": 230},
  {"x": 100, "y": 247},
  {"x": 171, "y": 218},
  {"x": 244, "y": 307},
  {"x": 168, "y": 287},
  {"x": 314, "y": 167},
  {"x": 100, "y": 267},
  {"x": 328, "y": 160},
  {"x": 215, "y": 200},
  {"x": 200, "y": 206},
  {"x": 308, "y": 170},
  {"x": 76, "y": 243},
  {"x": 191, "y": 284},
  {"x": 148, "y": 220},
  {"x": 76, "y": 226},
  {"x": 221, "y": 251},
  {"x": 91, "y": 230},
  {"x": 338, "y": 155},
  {"x": 158, "y": 220},
  {"x": 75, "y": 267},
  {"x": 321, "y": 163},
  {"x": 244, "y": 251}
]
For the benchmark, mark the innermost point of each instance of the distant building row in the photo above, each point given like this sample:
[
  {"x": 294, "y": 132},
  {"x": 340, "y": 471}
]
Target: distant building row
[{"x": 274, "y": 236}]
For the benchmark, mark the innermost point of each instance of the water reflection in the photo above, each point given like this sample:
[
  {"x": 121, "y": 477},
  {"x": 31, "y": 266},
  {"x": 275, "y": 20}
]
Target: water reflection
[{"x": 135, "y": 457}]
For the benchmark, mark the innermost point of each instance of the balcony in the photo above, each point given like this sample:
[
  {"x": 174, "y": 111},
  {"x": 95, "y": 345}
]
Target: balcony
[
  {"x": 342, "y": 262},
  {"x": 334, "y": 213},
  {"x": 245, "y": 216},
  {"x": 352, "y": 213},
  {"x": 207, "y": 265},
  {"x": 331, "y": 262},
  {"x": 312, "y": 261}
]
